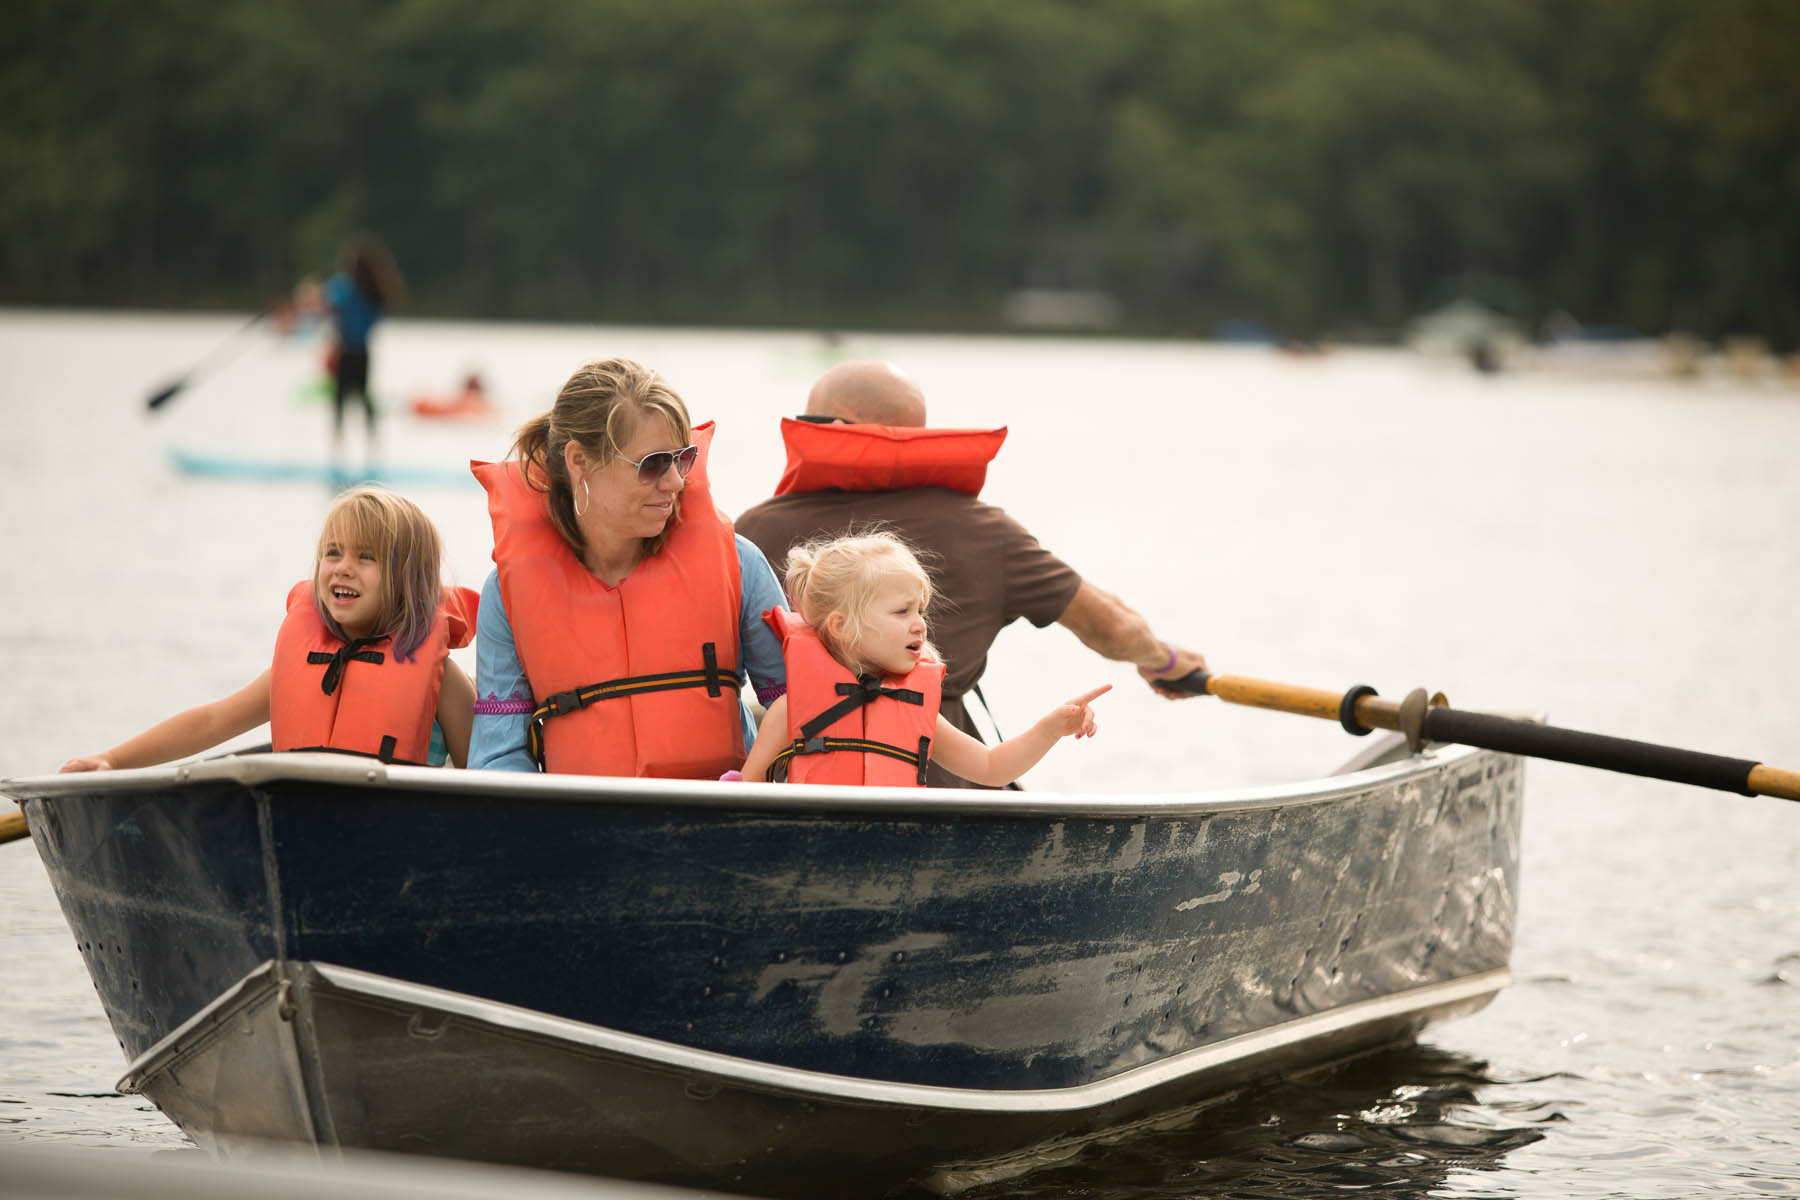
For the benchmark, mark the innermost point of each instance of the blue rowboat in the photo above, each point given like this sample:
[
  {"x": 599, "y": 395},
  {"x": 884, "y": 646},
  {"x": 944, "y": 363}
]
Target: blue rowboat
[{"x": 757, "y": 987}]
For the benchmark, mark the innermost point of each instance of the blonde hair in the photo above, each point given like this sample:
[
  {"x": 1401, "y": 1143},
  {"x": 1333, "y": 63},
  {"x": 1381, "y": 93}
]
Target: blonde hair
[
  {"x": 405, "y": 542},
  {"x": 842, "y": 575},
  {"x": 598, "y": 409}
]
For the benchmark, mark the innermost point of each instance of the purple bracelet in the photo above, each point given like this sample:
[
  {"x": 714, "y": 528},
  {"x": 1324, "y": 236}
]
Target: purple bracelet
[{"x": 1166, "y": 667}]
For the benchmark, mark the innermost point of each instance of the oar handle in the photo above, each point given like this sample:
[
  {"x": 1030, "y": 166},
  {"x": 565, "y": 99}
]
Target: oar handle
[
  {"x": 1191, "y": 684},
  {"x": 1358, "y": 710},
  {"x": 1423, "y": 720},
  {"x": 12, "y": 826}
]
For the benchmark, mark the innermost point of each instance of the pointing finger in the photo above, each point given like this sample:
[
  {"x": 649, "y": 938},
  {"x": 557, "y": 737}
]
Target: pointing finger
[{"x": 1089, "y": 697}]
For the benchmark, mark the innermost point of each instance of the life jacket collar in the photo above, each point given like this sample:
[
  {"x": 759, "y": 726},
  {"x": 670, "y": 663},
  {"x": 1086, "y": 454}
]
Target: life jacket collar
[{"x": 883, "y": 458}]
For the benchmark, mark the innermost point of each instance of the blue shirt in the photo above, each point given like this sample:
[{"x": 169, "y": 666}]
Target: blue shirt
[
  {"x": 497, "y": 740},
  {"x": 352, "y": 311}
]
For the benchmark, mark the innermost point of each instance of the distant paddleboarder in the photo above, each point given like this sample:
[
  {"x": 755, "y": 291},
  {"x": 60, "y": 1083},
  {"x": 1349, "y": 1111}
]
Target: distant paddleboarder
[{"x": 355, "y": 298}]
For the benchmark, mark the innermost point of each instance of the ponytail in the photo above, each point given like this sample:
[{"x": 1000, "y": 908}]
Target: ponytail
[{"x": 541, "y": 463}]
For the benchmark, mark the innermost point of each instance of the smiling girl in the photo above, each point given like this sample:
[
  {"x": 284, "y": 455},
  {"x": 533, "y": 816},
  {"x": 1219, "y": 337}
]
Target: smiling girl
[
  {"x": 361, "y": 662},
  {"x": 864, "y": 683}
]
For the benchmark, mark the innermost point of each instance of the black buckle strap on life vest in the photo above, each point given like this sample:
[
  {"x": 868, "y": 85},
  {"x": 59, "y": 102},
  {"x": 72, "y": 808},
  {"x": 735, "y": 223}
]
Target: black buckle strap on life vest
[
  {"x": 709, "y": 654},
  {"x": 866, "y": 690},
  {"x": 819, "y": 744},
  {"x": 714, "y": 678},
  {"x": 350, "y": 650}
]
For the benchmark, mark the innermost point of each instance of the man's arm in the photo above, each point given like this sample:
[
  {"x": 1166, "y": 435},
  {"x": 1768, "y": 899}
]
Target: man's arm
[{"x": 1113, "y": 629}]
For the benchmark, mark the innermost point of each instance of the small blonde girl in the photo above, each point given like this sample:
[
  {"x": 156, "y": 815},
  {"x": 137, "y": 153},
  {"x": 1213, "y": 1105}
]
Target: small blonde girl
[
  {"x": 864, "y": 684},
  {"x": 361, "y": 662}
]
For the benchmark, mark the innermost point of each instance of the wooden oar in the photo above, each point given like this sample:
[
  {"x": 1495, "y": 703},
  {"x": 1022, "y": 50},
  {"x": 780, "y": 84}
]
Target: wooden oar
[
  {"x": 1424, "y": 719},
  {"x": 212, "y": 359},
  {"x": 12, "y": 826}
]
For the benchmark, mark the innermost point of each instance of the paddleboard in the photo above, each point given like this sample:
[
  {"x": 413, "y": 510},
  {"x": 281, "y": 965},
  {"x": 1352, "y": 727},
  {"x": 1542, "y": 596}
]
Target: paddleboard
[{"x": 230, "y": 466}]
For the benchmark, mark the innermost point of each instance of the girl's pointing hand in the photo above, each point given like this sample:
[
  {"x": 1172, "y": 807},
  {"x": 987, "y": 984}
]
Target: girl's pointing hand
[{"x": 1076, "y": 717}]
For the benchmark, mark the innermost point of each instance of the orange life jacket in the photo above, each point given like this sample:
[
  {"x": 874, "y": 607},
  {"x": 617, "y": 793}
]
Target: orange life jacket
[
  {"x": 884, "y": 458},
  {"x": 329, "y": 694},
  {"x": 638, "y": 679},
  {"x": 845, "y": 730}
]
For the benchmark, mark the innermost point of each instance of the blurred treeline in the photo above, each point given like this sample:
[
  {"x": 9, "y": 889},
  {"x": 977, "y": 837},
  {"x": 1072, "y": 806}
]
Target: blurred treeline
[{"x": 1327, "y": 167}]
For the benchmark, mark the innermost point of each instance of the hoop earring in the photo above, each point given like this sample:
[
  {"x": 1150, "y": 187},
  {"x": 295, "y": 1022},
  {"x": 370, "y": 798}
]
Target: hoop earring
[{"x": 581, "y": 509}]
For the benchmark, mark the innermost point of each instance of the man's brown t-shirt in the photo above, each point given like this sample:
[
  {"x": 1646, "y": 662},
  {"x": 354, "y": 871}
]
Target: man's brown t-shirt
[{"x": 986, "y": 569}]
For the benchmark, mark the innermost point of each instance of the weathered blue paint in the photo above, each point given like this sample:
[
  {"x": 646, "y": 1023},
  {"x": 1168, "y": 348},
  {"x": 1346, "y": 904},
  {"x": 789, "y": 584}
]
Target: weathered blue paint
[{"x": 965, "y": 950}]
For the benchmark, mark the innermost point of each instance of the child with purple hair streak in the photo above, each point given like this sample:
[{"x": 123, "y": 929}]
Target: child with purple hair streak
[{"x": 361, "y": 663}]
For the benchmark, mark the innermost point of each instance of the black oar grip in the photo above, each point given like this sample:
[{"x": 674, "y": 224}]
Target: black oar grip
[
  {"x": 1191, "y": 684},
  {"x": 1589, "y": 749}
]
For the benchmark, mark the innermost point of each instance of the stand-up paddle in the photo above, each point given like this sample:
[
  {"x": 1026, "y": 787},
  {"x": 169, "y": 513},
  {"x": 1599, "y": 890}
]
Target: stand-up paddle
[
  {"x": 1424, "y": 720},
  {"x": 213, "y": 359}
]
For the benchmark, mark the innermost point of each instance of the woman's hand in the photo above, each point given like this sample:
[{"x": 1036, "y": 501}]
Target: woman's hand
[{"x": 92, "y": 762}]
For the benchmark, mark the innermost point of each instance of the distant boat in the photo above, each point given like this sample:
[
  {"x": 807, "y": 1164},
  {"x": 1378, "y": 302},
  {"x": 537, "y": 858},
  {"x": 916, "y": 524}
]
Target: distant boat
[
  {"x": 1062, "y": 308},
  {"x": 1467, "y": 329},
  {"x": 242, "y": 467},
  {"x": 757, "y": 987}
]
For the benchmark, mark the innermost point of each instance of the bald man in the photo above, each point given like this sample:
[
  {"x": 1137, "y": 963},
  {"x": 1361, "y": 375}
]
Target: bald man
[
  {"x": 867, "y": 391},
  {"x": 988, "y": 571}
]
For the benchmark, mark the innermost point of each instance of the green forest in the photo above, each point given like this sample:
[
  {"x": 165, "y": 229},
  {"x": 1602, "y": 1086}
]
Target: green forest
[{"x": 1327, "y": 168}]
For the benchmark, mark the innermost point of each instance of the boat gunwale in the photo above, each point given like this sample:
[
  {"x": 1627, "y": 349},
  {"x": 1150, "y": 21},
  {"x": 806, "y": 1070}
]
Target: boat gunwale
[{"x": 263, "y": 770}]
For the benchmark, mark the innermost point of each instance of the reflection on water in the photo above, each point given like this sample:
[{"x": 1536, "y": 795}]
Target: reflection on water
[{"x": 1401, "y": 1121}]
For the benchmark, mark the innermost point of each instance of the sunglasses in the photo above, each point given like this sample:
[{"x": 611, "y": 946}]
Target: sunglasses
[{"x": 653, "y": 467}]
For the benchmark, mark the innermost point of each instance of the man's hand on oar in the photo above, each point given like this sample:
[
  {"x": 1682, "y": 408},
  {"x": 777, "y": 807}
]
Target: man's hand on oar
[{"x": 1181, "y": 663}]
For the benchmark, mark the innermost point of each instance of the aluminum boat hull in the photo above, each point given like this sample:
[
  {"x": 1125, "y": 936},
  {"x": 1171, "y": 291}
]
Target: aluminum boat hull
[{"x": 756, "y": 986}]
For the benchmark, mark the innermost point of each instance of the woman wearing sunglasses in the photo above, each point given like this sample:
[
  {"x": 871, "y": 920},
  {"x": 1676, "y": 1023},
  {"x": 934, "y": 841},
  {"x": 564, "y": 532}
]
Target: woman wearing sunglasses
[{"x": 624, "y": 615}]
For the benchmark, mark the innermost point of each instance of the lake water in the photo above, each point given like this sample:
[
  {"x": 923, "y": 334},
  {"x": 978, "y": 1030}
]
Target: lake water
[{"x": 1619, "y": 554}]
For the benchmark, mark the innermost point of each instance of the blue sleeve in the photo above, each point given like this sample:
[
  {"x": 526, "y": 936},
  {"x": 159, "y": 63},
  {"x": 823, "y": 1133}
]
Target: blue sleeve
[
  {"x": 761, "y": 648},
  {"x": 503, "y": 702}
]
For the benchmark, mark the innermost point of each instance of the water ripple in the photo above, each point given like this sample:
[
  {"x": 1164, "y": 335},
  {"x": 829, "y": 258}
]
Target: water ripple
[{"x": 1401, "y": 1120}]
